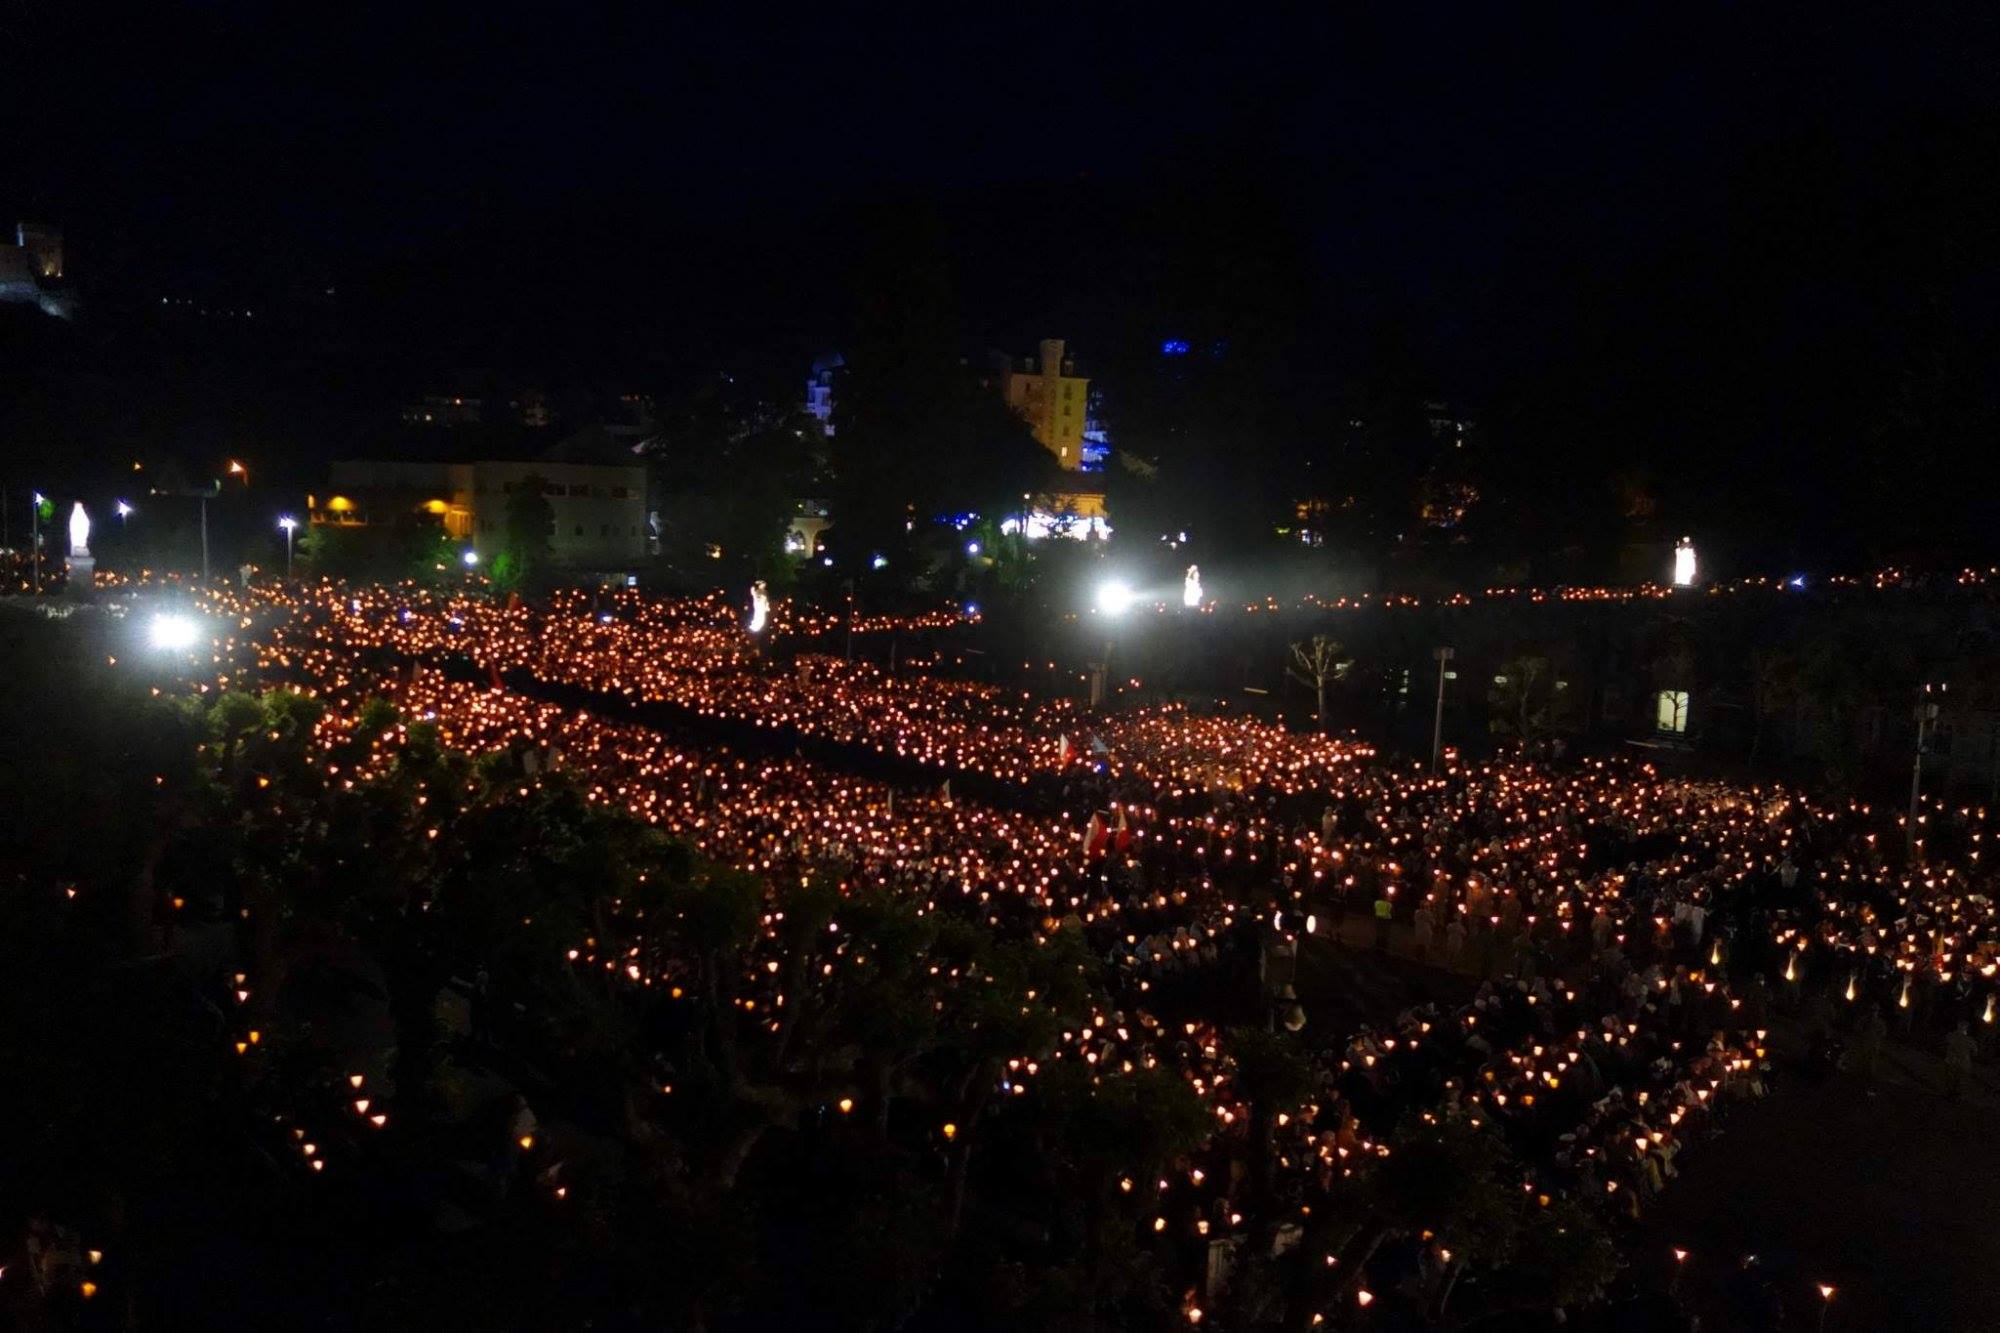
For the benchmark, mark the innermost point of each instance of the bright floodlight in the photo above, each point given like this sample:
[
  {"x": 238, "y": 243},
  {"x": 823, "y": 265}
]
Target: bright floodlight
[
  {"x": 1684, "y": 563},
  {"x": 287, "y": 522},
  {"x": 124, "y": 510},
  {"x": 760, "y": 607},
  {"x": 1191, "y": 588},
  {"x": 972, "y": 548},
  {"x": 471, "y": 557},
  {"x": 1113, "y": 597},
  {"x": 172, "y": 633}
]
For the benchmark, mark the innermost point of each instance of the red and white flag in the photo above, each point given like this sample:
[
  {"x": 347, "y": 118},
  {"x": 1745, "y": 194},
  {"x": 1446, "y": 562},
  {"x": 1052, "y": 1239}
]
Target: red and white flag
[{"x": 1094, "y": 837}]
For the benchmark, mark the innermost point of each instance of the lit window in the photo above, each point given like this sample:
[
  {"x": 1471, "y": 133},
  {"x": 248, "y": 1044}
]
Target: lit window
[{"x": 1672, "y": 712}]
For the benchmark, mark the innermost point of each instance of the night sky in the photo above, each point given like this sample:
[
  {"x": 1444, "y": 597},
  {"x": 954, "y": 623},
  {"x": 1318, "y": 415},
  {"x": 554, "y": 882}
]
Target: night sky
[{"x": 1747, "y": 250}]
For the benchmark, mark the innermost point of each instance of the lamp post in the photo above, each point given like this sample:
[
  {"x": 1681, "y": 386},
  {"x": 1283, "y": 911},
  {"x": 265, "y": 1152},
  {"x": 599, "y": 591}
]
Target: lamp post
[
  {"x": 848, "y": 587},
  {"x": 1443, "y": 655},
  {"x": 204, "y": 495},
  {"x": 1927, "y": 715},
  {"x": 124, "y": 512},
  {"x": 1114, "y": 597},
  {"x": 35, "y": 539},
  {"x": 289, "y": 524}
]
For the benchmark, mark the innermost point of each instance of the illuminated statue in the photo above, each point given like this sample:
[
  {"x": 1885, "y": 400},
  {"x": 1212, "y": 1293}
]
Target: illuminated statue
[
  {"x": 760, "y": 606},
  {"x": 81, "y": 566},
  {"x": 1684, "y": 563},
  {"x": 1191, "y": 588}
]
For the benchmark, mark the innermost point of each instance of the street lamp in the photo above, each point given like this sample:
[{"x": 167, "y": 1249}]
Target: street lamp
[
  {"x": 204, "y": 495},
  {"x": 40, "y": 502},
  {"x": 1114, "y": 597},
  {"x": 237, "y": 469},
  {"x": 289, "y": 524},
  {"x": 171, "y": 632},
  {"x": 1442, "y": 655},
  {"x": 124, "y": 512},
  {"x": 1927, "y": 719},
  {"x": 471, "y": 558},
  {"x": 1826, "y": 1290}
]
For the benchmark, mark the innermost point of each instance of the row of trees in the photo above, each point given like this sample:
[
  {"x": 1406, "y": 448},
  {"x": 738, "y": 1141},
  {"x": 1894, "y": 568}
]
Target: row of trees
[{"x": 1819, "y": 689}]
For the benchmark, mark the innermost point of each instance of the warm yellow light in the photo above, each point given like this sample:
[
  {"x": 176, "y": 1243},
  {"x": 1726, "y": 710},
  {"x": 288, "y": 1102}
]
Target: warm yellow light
[{"x": 340, "y": 504}]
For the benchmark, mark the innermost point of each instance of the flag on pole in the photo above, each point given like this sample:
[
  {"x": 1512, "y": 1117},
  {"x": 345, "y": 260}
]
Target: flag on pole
[{"x": 1101, "y": 835}]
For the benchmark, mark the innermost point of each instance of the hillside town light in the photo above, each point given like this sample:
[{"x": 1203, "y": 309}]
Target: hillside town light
[{"x": 1684, "y": 563}]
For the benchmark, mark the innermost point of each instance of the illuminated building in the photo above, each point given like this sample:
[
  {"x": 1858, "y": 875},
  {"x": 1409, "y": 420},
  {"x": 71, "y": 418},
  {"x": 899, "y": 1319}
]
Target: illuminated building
[
  {"x": 31, "y": 269},
  {"x": 1096, "y": 448},
  {"x": 809, "y": 521},
  {"x": 44, "y": 245},
  {"x": 819, "y": 389},
  {"x": 1078, "y": 515},
  {"x": 598, "y": 510},
  {"x": 445, "y": 409},
  {"x": 1046, "y": 392}
]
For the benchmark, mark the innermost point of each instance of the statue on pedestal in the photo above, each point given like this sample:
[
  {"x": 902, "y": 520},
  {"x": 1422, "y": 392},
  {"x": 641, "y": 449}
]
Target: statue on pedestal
[{"x": 81, "y": 564}]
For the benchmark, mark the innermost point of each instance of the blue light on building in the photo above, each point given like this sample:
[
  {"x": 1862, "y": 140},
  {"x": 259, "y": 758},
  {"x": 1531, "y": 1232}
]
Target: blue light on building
[{"x": 1174, "y": 347}]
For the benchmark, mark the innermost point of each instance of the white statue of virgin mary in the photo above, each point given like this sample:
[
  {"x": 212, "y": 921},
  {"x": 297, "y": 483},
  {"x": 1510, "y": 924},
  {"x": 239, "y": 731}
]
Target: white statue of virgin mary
[{"x": 79, "y": 531}]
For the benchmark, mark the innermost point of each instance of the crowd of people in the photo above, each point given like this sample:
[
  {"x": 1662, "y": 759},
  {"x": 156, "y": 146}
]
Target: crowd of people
[{"x": 1619, "y": 939}]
